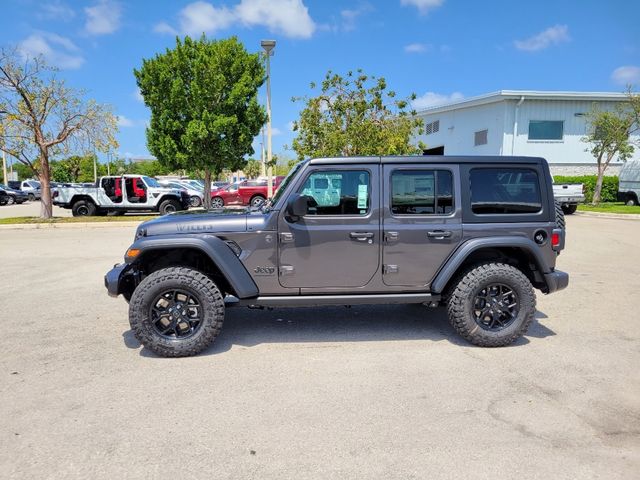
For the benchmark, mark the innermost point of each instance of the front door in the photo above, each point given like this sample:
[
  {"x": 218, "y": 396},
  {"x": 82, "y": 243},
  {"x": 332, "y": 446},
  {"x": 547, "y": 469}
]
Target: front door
[
  {"x": 421, "y": 222},
  {"x": 337, "y": 244}
]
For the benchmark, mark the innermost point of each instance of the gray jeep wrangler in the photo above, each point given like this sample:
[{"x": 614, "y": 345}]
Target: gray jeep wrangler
[{"x": 476, "y": 234}]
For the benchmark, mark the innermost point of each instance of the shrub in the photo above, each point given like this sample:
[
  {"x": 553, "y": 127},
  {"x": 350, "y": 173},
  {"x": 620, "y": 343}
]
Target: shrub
[{"x": 609, "y": 186}]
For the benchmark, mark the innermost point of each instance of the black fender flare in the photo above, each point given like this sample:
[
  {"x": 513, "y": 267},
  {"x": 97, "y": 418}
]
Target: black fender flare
[
  {"x": 219, "y": 252},
  {"x": 462, "y": 253}
]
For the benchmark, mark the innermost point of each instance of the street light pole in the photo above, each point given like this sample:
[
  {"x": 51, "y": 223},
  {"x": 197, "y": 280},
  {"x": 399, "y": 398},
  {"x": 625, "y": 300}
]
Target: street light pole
[{"x": 268, "y": 46}]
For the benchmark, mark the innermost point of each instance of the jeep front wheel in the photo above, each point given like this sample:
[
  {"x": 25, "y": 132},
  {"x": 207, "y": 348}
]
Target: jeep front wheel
[
  {"x": 168, "y": 206},
  {"x": 176, "y": 312},
  {"x": 492, "y": 305}
]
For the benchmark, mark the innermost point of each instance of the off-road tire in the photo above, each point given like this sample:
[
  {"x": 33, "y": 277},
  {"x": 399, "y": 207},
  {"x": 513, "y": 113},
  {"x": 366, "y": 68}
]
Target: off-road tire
[
  {"x": 569, "y": 209},
  {"x": 169, "y": 206},
  {"x": 631, "y": 200},
  {"x": 31, "y": 197},
  {"x": 257, "y": 200},
  {"x": 83, "y": 208},
  {"x": 559, "y": 216},
  {"x": 195, "y": 201},
  {"x": 217, "y": 202},
  {"x": 469, "y": 284},
  {"x": 193, "y": 281}
]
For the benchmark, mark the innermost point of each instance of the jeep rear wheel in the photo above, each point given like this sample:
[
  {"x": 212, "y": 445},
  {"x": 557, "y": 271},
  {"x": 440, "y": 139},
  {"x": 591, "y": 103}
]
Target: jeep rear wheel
[
  {"x": 169, "y": 206},
  {"x": 83, "y": 208},
  {"x": 492, "y": 305},
  {"x": 176, "y": 312}
]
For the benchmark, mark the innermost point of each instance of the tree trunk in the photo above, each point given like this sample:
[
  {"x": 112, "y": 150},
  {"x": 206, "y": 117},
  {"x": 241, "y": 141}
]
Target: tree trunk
[
  {"x": 598, "y": 188},
  {"x": 207, "y": 189},
  {"x": 46, "y": 207}
]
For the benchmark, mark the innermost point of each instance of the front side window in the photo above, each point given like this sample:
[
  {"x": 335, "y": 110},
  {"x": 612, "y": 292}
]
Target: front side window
[
  {"x": 546, "y": 129},
  {"x": 421, "y": 192},
  {"x": 504, "y": 191},
  {"x": 337, "y": 192}
]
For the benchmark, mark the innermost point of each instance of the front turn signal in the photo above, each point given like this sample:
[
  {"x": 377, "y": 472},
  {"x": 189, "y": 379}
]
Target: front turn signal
[{"x": 132, "y": 253}]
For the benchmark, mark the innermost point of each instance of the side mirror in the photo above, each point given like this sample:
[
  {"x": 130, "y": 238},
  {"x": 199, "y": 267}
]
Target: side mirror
[{"x": 297, "y": 206}]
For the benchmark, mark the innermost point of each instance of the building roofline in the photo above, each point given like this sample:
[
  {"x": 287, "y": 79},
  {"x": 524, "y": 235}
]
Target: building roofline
[{"x": 503, "y": 95}]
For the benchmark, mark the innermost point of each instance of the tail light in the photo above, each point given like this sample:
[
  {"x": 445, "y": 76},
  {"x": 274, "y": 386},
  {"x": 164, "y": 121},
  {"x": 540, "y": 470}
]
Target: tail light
[{"x": 555, "y": 239}]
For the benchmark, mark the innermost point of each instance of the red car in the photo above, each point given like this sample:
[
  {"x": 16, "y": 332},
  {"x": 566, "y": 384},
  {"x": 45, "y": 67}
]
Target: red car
[{"x": 249, "y": 192}]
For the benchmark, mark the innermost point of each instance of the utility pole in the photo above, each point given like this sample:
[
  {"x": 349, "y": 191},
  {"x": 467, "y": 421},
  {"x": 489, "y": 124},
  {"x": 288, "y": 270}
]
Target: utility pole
[
  {"x": 263, "y": 168},
  {"x": 268, "y": 46},
  {"x": 4, "y": 168}
]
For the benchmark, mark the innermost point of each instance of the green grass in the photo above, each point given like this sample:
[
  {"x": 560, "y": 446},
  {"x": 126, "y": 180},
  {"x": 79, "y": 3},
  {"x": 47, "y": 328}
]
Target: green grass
[
  {"x": 612, "y": 207},
  {"x": 124, "y": 218}
]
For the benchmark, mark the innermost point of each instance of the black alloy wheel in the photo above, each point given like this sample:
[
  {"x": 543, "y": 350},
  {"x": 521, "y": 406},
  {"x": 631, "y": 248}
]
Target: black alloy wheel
[
  {"x": 176, "y": 314},
  {"x": 495, "y": 307}
]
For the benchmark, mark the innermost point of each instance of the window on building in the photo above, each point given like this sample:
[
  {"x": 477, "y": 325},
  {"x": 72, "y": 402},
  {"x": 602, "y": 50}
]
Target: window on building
[
  {"x": 432, "y": 127},
  {"x": 337, "y": 192},
  {"x": 504, "y": 190},
  {"x": 546, "y": 129},
  {"x": 421, "y": 192},
  {"x": 480, "y": 138}
]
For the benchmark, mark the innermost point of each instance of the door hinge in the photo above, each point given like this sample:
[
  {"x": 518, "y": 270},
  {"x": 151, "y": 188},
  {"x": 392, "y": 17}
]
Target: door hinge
[
  {"x": 391, "y": 237},
  {"x": 390, "y": 269},
  {"x": 286, "y": 237},
  {"x": 286, "y": 270}
]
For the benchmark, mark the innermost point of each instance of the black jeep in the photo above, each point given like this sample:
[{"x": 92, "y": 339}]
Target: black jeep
[{"x": 477, "y": 234}]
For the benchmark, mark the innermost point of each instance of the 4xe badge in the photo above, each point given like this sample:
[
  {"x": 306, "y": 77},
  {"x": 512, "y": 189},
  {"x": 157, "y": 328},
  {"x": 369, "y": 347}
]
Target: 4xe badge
[{"x": 264, "y": 270}]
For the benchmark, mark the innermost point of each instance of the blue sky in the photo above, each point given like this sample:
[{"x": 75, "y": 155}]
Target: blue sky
[{"x": 439, "y": 49}]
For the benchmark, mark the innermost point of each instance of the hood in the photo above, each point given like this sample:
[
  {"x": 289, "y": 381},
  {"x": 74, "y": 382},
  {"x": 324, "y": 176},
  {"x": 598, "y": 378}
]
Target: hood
[{"x": 198, "y": 221}]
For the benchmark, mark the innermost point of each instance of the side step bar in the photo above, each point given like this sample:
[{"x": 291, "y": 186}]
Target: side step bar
[{"x": 319, "y": 300}]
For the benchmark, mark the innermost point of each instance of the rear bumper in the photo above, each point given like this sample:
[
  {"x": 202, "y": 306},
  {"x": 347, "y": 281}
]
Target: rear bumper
[
  {"x": 114, "y": 277},
  {"x": 556, "y": 281}
]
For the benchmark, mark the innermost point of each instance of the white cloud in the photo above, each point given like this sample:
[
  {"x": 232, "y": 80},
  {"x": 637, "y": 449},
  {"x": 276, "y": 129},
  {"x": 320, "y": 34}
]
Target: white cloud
[
  {"x": 164, "y": 27},
  {"x": 423, "y": 6},
  {"x": 350, "y": 15},
  {"x": 626, "y": 75},
  {"x": 125, "y": 122},
  {"x": 58, "y": 51},
  {"x": 417, "y": 48},
  {"x": 55, "y": 10},
  {"x": 275, "y": 131},
  {"x": 137, "y": 95},
  {"x": 288, "y": 17},
  {"x": 103, "y": 17},
  {"x": 551, "y": 36},
  {"x": 432, "y": 99}
]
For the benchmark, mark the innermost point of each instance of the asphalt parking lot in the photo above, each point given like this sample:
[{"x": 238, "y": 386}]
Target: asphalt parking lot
[
  {"x": 30, "y": 209},
  {"x": 368, "y": 392}
]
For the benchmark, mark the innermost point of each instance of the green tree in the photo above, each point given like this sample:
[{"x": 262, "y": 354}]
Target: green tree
[
  {"x": 355, "y": 115},
  {"x": 150, "y": 168},
  {"x": 204, "y": 105},
  {"x": 42, "y": 118},
  {"x": 252, "y": 168},
  {"x": 609, "y": 135}
]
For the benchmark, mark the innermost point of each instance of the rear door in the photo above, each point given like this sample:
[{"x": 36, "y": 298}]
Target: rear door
[
  {"x": 422, "y": 221},
  {"x": 337, "y": 244}
]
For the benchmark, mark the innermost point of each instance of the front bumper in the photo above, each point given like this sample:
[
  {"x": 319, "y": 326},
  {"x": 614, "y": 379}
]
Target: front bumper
[
  {"x": 556, "y": 280},
  {"x": 113, "y": 280}
]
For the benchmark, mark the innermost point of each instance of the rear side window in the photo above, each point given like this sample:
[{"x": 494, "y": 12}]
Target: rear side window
[
  {"x": 504, "y": 191},
  {"x": 421, "y": 192}
]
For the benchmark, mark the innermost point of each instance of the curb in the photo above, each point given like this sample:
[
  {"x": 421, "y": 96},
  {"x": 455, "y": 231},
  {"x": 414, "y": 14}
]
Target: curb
[
  {"x": 618, "y": 216},
  {"x": 75, "y": 225}
]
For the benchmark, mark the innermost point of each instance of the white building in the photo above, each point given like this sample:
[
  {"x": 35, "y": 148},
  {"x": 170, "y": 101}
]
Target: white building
[{"x": 547, "y": 124}]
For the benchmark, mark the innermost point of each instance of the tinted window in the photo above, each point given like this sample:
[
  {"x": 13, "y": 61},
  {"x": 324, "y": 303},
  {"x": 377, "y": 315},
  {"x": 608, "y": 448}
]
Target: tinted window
[
  {"x": 337, "y": 192},
  {"x": 546, "y": 129},
  {"x": 504, "y": 190},
  {"x": 421, "y": 192}
]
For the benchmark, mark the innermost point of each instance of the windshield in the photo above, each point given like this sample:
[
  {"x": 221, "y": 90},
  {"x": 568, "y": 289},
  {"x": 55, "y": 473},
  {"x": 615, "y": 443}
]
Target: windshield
[
  {"x": 283, "y": 186},
  {"x": 151, "y": 182}
]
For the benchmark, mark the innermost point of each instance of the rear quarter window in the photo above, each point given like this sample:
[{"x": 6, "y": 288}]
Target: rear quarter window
[{"x": 505, "y": 191}]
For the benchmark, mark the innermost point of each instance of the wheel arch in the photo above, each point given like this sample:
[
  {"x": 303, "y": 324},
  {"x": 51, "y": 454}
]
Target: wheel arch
[
  {"x": 520, "y": 252},
  {"x": 210, "y": 255},
  {"x": 77, "y": 198}
]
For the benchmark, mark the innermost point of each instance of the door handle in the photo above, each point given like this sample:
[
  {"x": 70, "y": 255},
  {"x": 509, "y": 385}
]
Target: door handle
[
  {"x": 439, "y": 234},
  {"x": 361, "y": 236}
]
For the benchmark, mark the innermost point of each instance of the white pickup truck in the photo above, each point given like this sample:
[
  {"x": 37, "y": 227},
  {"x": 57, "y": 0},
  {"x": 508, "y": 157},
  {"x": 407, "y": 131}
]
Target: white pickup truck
[
  {"x": 121, "y": 194},
  {"x": 569, "y": 195}
]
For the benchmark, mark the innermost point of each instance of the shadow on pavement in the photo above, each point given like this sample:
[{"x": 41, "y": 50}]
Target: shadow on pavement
[{"x": 377, "y": 323}]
